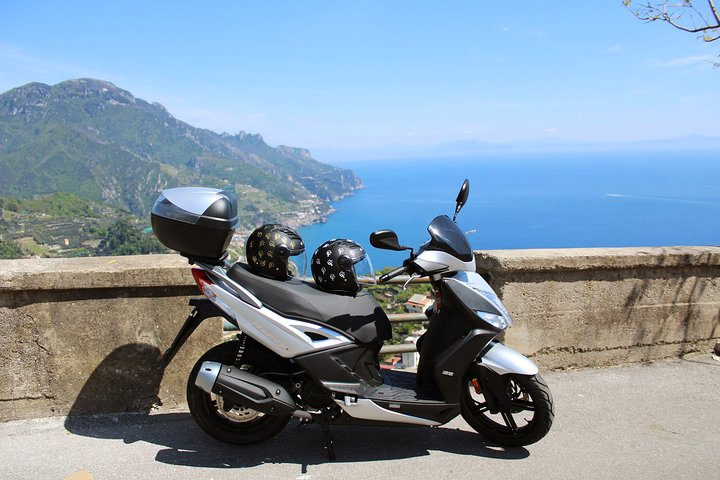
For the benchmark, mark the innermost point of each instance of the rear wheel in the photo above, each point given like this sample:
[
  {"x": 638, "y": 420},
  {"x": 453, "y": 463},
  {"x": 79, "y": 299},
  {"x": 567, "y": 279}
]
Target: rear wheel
[
  {"x": 526, "y": 418},
  {"x": 226, "y": 421}
]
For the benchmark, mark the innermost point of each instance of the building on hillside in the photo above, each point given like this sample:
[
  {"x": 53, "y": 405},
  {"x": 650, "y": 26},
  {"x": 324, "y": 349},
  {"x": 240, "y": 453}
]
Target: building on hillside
[{"x": 418, "y": 303}]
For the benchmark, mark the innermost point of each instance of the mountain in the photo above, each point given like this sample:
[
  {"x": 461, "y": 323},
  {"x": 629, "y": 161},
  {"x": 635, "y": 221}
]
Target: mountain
[{"x": 93, "y": 139}]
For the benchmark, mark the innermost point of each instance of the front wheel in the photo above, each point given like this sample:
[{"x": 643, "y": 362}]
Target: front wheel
[
  {"x": 229, "y": 422},
  {"x": 526, "y": 417}
]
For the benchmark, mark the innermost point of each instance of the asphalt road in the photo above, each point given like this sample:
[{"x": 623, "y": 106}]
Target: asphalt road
[{"x": 655, "y": 421}]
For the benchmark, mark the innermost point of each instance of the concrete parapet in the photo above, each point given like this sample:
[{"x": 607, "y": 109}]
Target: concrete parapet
[
  {"x": 596, "y": 307},
  {"x": 85, "y": 335}
]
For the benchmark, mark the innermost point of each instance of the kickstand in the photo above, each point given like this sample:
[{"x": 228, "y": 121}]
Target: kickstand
[{"x": 325, "y": 425}]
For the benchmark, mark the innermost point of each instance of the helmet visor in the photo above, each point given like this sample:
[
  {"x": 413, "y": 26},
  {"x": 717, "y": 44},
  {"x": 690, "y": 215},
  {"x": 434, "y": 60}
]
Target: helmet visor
[
  {"x": 364, "y": 272},
  {"x": 297, "y": 265}
]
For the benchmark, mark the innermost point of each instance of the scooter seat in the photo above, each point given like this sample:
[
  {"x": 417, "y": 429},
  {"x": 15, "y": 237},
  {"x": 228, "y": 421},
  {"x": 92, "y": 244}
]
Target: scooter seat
[{"x": 359, "y": 315}]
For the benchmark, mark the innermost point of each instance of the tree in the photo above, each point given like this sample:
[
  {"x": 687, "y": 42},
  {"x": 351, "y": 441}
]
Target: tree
[
  {"x": 124, "y": 238},
  {"x": 9, "y": 249},
  {"x": 686, "y": 15}
]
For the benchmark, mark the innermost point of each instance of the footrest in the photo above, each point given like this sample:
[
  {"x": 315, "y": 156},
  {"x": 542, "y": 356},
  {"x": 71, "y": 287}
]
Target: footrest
[{"x": 402, "y": 387}]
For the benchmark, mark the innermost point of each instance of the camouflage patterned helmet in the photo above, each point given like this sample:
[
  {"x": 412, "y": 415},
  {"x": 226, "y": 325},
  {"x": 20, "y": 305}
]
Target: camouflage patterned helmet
[{"x": 269, "y": 248}]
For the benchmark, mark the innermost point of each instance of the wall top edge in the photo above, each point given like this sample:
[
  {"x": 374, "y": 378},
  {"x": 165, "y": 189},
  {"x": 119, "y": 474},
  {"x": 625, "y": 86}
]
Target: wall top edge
[
  {"x": 171, "y": 270},
  {"x": 597, "y": 258},
  {"x": 166, "y": 270}
]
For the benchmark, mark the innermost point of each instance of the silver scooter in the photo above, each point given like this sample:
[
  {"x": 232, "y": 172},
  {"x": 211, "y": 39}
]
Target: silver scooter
[{"x": 299, "y": 354}]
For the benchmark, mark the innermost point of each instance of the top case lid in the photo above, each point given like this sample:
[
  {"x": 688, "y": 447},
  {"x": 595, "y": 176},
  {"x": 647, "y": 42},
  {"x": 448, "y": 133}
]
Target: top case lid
[{"x": 198, "y": 205}]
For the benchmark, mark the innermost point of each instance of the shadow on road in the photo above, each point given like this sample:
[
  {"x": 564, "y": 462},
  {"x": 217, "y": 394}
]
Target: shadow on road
[
  {"x": 133, "y": 371},
  {"x": 185, "y": 444}
]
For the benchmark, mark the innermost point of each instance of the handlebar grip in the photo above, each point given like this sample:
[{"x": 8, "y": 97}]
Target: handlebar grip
[{"x": 392, "y": 274}]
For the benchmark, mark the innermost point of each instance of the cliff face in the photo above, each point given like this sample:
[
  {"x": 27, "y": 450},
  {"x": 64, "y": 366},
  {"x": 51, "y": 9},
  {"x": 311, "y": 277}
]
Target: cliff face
[{"x": 98, "y": 141}]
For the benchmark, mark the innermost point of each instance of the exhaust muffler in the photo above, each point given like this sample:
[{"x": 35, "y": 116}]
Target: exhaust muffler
[{"x": 244, "y": 388}]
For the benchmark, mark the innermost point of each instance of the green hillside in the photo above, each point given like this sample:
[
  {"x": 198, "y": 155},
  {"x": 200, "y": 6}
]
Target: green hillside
[{"x": 99, "y": 142}]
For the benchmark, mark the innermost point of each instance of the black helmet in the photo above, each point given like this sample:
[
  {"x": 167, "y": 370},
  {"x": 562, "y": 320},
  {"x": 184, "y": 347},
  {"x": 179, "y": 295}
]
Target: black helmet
[
  {"x": 340, "y": 266},
  {"x": 269, "y": 248}
]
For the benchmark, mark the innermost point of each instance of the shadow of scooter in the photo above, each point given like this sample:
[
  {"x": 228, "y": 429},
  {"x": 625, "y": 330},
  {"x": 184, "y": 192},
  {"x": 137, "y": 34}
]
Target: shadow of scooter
[{"x": 128, "y": 381}]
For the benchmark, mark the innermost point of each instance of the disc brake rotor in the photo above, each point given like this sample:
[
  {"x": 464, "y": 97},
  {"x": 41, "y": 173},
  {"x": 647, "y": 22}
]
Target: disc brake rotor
[{"x": 237, "y": 413}]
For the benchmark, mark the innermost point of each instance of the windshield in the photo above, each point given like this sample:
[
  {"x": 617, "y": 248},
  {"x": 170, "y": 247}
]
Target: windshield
[{"x": 447, "y": 237}]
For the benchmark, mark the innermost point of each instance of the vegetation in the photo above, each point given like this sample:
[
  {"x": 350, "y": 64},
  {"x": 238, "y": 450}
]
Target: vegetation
[
  {"x": 10, "y": 249},
  {"x": 124, "y": 238},
  {"x": 59, "y": 204},
  {"x": 115, "y": 153},
  {"x": 392, "y": 298},
  {"x": 103, "y": 144},
  {"x": 31, "y": 248},
  {"x": 53, "y": 225}
]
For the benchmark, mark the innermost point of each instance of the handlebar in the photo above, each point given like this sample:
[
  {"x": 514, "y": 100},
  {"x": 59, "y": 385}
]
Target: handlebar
[{"x": 392, "y": 274}]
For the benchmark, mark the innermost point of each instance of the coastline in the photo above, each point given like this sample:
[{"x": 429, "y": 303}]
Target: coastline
[
  {"x": 322, "y": 217},
  {"x": 315, "y": 212},
  {"x": 316, "y": 215}
]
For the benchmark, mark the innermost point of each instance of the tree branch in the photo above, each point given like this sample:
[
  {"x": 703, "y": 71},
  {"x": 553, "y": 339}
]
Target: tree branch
[{"x": 673, "y": 13}]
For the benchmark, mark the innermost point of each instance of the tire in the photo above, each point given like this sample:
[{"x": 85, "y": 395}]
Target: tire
[
  {"x": 529, "y": 419},
  {"x": 239, "y": 425}
]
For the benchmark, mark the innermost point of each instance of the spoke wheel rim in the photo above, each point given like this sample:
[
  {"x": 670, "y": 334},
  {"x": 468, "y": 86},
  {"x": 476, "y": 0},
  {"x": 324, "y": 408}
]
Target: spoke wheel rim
[{"x": 518, "y": 419}]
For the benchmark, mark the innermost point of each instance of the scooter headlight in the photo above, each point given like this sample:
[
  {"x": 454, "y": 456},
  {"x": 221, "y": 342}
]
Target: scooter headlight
[{"x": 500, "y": 322}]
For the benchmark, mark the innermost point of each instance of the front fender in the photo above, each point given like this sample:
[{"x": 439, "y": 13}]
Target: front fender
[{"x": 503, "y": 360}]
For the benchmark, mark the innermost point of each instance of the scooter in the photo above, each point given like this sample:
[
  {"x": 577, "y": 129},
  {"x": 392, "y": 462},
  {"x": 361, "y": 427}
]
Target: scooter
[{"x": 293, "y": 360}]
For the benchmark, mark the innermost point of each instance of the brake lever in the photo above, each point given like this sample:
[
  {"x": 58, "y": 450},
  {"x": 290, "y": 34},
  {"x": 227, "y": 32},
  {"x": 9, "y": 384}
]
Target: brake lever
[{"x": 412, "y": 277}]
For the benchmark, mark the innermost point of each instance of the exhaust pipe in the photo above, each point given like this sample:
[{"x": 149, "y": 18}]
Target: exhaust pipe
[{"x": 244, "y": 388}]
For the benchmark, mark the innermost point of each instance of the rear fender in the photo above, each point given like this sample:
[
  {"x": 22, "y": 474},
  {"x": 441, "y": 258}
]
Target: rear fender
[{"x": 203, "y": 310}]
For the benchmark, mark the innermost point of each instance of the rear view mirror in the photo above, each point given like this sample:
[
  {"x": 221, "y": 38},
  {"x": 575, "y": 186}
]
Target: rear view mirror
[
  {"x": 386, "y": 240},
  {"x": 462, "y": 197}
]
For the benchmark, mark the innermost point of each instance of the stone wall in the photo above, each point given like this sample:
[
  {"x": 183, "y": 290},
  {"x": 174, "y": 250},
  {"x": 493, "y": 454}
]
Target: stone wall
[
  {"x": 598, "y": 307},
  {"x": 84, "y": 336}
]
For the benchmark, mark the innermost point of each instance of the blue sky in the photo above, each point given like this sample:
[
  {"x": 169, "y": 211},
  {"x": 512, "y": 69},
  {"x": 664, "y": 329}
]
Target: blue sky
[{"x": 344, "y": 75}]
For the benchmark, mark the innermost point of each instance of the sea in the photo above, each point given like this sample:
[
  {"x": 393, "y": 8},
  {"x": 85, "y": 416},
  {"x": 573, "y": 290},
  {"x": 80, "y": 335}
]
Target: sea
[{"x": 548, "y": 200}]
